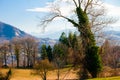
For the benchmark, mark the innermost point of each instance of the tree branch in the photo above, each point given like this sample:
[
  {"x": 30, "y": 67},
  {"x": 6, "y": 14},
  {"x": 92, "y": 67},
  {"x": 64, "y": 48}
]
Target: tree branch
[
  {"x": 70, "y": 20},
  {"x": 89, "y": 2},
  {"x": 75, "y": 3}
]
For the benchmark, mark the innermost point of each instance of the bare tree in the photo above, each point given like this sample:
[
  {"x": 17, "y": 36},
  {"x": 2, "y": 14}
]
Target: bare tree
[
  {"x": 89, "y": 15},
  {"x": 29, "y": 45},
  {"x": 4, "y": 49},
  {"x": 42, "y": 67},
  {"x": 94, "y": 9},
  {"x": 17, "y": 48},
  {"x": 110, "y": 53},
  {"x": 11, "y": 53}
]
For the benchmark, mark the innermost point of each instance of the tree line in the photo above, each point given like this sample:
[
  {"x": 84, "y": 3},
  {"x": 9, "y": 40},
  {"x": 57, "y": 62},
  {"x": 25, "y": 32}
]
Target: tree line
[
  {"x": 26, "y": 53},
  {"x": 19, "y": 52}
]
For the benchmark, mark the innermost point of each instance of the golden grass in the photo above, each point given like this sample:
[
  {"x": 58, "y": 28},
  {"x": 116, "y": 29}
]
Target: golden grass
[
  {"x": 109, "y": 78},
  {"x": 26, "y": 74},
  {"x": 4, "y": 71}
]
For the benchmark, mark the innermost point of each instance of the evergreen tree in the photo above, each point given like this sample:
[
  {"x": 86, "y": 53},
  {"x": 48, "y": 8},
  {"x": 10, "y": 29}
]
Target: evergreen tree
[
  {"x": 60, "y": 57},
  {"x": 49, "y": 53},
  {"x": 70, "y": 39},
  {"x": 92, "y": 60},
  {"x": 63, "y": 39},
  {"x": 44, "y": 52}
]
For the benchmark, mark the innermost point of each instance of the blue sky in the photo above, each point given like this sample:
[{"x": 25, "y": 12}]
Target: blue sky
[{"x": 18, "y": 14}]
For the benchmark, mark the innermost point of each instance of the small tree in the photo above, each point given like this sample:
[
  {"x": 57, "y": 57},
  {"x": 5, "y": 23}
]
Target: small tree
[
  {"x": 60, "y": 57},
  {"x": 42, "y": 68}
]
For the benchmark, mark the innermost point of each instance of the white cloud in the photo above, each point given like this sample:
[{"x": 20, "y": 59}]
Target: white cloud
[
  {"x": 113, "y": 10},
  {"x": 44, "y": 9},
  {"x": 64, "y": 7},
  {"x": 66, "y": 10}
]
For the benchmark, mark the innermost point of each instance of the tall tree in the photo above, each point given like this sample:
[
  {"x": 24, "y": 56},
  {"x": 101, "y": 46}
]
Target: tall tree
[
  {"x": 17, "y": 48},
  {"x": 89, "y": 14}
]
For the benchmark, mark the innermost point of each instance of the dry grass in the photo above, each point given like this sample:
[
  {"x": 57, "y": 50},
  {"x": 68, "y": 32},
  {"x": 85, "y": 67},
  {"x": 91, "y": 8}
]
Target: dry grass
[
  {"x": 26, "y": 74},
  {"x": 109, "y": 78}
]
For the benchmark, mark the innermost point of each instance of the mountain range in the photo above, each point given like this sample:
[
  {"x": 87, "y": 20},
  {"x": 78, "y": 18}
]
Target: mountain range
[
  {"x": 8, "y": 32},
  {"x": 112, "y": 35}
]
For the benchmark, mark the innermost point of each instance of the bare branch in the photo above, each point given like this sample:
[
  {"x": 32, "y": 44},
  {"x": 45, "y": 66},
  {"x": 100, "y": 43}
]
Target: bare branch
[
  {"x": 70, "y": 20},
  {"x": 75, "y": 3},
  {"x": 79, "y": 3},
  {"x": 89, "y": 2}
]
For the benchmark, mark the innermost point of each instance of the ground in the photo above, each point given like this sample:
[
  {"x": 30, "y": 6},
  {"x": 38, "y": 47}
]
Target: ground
[
  {"x": 110, "y": 78},
  {"x": 27, "y": 74}
]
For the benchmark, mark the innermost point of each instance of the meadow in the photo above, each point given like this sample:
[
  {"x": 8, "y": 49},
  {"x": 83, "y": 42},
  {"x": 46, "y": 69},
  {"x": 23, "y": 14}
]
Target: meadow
[{"x": 28, "y": 74}]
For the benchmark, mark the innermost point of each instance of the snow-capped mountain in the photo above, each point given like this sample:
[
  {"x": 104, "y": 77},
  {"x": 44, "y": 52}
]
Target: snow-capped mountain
[{"x": 8, "y": 31}]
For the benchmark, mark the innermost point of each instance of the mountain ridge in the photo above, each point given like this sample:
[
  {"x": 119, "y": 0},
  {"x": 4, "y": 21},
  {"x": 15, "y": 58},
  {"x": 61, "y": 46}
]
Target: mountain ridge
[{"x": 8, "y": 31}]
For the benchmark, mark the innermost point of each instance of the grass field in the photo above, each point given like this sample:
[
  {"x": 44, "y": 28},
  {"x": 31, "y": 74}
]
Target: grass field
[
  {"x": 27, "y": 74},
  {"x": 110, "y": 78}
]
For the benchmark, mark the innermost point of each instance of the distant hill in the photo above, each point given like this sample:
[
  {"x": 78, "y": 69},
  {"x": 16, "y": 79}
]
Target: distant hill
[
  {"x": 8, "y": 31},
  {"x": 47, "y": 41},
  {"x": 112, "y": 35}
]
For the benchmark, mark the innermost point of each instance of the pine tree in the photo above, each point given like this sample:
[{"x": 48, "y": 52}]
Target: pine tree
[
  {"x": 49, "y": 53},
  {"x": 44, "y": 52}
]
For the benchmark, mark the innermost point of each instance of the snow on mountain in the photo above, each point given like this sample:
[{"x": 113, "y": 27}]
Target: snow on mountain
[{"x": 8, "y": 31}]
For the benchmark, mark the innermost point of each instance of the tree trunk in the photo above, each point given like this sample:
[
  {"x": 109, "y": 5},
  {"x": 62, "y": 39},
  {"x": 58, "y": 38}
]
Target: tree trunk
[
  {"x": 5, "y": 59},
  {"x": 17, "y": 62}
]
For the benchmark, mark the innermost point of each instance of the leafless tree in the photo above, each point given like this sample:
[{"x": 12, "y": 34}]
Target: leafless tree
[
  {"x": 17, "y": 48},
  {"x": 94, "y": 8},
  {"x": 4, "y": 49},
  {"x": 42, "y": 67},
  {"x": 30, "y": 48},
  {"x": 110, "y": 53}
]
